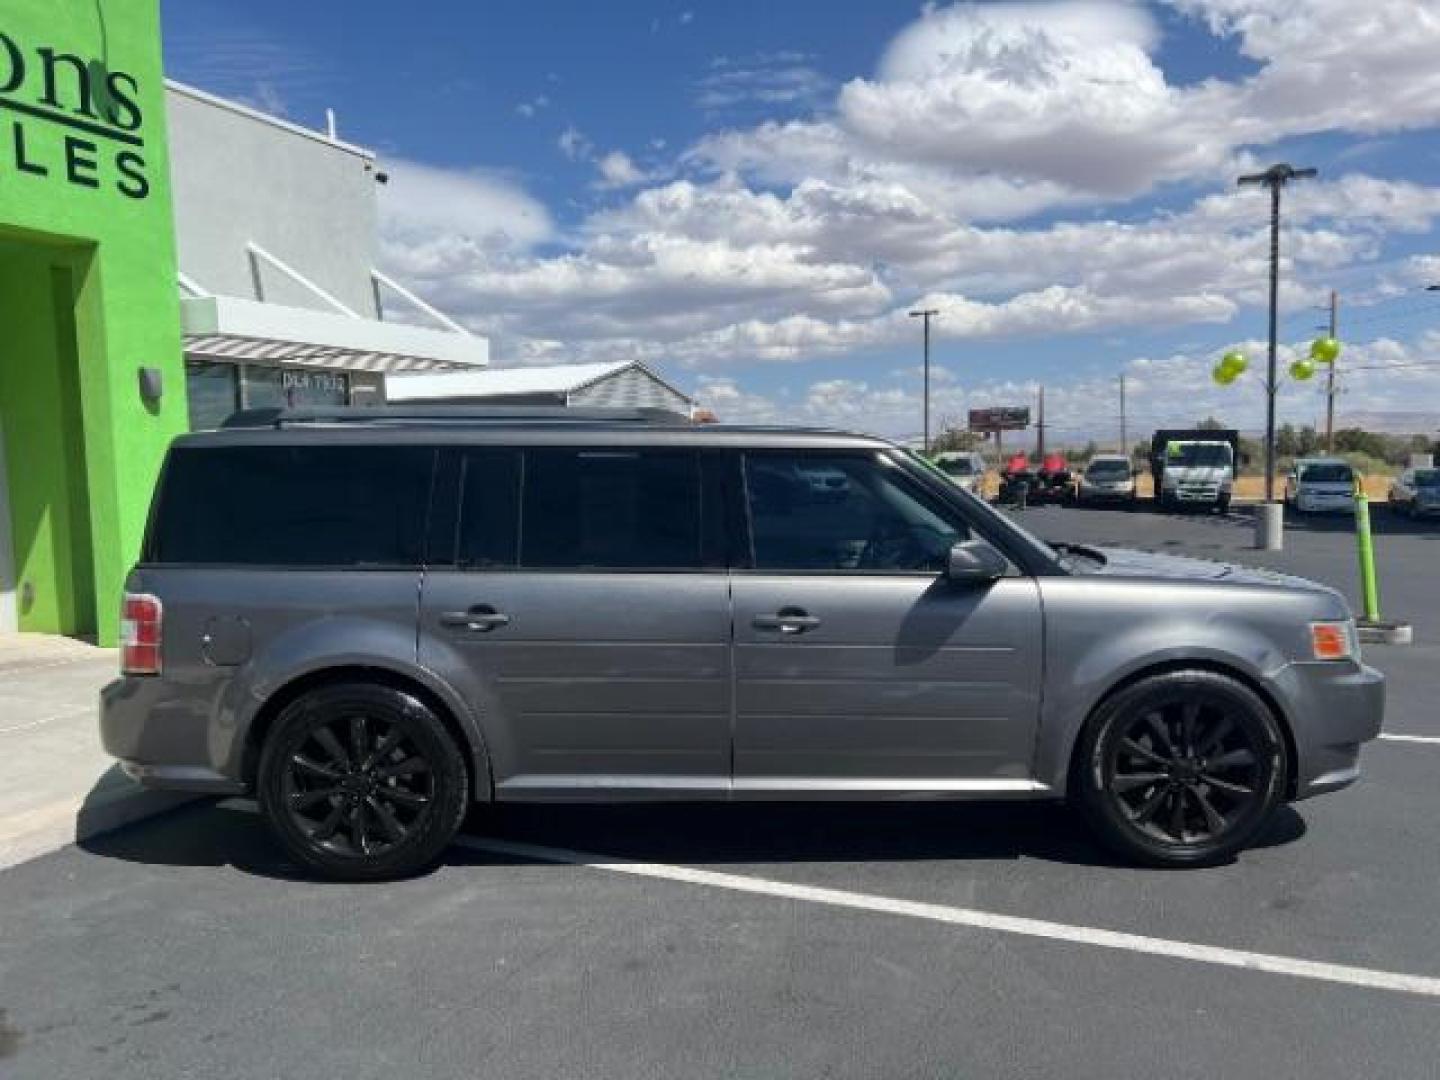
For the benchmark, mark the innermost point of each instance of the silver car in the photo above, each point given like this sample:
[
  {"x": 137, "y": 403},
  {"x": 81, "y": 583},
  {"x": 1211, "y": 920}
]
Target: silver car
[
  {"x": 373, "y": 619},
  {"x": 1416, "y": 493}
]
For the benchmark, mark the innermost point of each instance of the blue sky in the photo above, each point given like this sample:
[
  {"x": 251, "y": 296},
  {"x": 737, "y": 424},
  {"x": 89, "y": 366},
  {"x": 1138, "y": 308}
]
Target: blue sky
[{"x": 750, "y": 195}]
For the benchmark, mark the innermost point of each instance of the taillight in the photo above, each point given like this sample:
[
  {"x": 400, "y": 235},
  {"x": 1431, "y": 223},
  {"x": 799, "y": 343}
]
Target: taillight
[{"x": 140, "y": 633}]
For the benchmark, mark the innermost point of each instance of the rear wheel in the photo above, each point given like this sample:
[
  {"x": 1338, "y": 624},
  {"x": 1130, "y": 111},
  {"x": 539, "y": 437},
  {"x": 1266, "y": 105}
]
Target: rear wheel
[
  {"x": 362, "y": 782},
  {"x": 1181, "y": 769}
]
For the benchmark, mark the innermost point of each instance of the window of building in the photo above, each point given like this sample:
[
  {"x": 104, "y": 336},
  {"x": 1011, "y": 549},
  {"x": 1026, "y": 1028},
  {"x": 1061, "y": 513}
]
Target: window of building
[
  {"x": 213, "y": 393},
  {"x": 354, "y": 506},
  {"x": 292, "y": 388},
  {"x": 611, "y": 509},
  {"x": 844, "y": 512}
]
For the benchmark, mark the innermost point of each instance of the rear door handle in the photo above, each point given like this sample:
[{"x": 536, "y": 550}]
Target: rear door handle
[
  {"x": 788, "y": 620},
  {"x": 480, "y": 619}
]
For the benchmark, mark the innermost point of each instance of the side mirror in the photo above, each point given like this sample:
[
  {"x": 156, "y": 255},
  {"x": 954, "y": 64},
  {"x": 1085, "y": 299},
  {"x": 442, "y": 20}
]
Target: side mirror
[{"x": 974, "y": 562}]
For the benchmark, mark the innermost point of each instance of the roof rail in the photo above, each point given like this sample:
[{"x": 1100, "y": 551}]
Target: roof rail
[{"x": 380, "y": 415}]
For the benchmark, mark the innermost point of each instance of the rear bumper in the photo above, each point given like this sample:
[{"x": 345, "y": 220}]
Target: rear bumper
[
  {"x": 1334, "y": 709},
  {"x": 157, "y": 744}
]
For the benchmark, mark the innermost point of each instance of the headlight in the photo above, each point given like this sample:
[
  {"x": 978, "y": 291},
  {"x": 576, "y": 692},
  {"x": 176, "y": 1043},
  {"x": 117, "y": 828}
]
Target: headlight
[{"x": 1334, "y": 640}]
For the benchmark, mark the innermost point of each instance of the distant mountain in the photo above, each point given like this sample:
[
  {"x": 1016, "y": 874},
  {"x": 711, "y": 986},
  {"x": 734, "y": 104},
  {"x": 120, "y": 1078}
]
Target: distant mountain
[{"x": 1392, "y": 423}]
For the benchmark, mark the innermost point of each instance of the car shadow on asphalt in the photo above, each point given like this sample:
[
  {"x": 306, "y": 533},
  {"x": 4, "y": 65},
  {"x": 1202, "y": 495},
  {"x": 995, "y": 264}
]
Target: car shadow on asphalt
[{"x": 233, "y": 834}]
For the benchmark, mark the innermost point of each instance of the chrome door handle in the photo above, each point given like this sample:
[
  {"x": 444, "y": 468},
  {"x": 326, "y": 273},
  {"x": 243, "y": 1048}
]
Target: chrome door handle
[
  {"x": 480, "y": 619},
  {"x": 789, "y": 620}
]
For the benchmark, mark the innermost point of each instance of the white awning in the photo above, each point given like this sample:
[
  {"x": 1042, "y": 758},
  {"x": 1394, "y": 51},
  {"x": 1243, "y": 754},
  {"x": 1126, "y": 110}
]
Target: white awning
[{"x": 238, "y": 330}]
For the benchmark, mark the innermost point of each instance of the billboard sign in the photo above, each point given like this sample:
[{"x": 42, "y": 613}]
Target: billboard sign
[{"x": 1002, "y": 418}]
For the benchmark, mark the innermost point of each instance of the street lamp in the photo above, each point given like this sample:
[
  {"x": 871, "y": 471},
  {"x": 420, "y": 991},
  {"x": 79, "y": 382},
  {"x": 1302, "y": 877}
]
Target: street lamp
[
  {"x": 1275, "y": 178},
  {"x": 925, "y": 314}
]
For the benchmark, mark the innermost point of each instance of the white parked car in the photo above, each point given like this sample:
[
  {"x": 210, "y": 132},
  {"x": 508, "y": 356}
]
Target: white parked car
[
  {"x": 1320, "y": 484},
  {"x": 1107, "y": 478},
  {"x": 1416, "y": 492},
  {"x": 965, "y": 467}
]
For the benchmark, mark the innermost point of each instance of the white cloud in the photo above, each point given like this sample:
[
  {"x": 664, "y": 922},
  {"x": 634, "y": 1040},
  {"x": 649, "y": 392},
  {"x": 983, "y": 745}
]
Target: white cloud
[
  {"x": 432, "y": 217},
  {"x": 764, "y": 80},
  {"x": 574, "y": 145},
  {"x": 529, "y": 109},
  {"x": 805, "y": 238},
  {"x": 618, "y": 171}
]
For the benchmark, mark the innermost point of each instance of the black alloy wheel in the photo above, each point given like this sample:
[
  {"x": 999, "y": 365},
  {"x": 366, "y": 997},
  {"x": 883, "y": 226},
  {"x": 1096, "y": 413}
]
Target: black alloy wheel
[
  {"x": 362, "y": 782},
  {"x": 1182, "y": 769}
]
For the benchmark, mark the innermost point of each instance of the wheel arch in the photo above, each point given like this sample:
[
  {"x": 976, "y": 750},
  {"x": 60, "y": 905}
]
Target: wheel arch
[
  {"x": 458, "y": 723},
  {"x": 1218, "y": 667}
]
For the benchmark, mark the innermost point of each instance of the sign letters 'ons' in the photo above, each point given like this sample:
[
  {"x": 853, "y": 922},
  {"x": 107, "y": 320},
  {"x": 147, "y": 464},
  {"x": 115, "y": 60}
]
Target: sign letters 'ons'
[{"x": 70, "y": 119}]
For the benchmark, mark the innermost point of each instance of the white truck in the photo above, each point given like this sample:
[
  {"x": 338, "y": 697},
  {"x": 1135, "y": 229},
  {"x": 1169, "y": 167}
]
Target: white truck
[{"x": 1194, "y": 467}]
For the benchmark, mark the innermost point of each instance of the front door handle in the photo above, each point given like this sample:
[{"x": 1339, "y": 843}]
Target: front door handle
[
  {"x": 480, "y": 619},
  {"x": 788, "y": 620}
]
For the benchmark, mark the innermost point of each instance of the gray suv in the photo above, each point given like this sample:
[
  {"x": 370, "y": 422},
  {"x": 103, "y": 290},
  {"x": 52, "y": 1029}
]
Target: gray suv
[{"x": 373, "y": 619}]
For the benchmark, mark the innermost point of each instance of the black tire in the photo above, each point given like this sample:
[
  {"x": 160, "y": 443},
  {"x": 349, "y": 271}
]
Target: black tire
[
  {"x": 1134, "y": 767},
  {"x": 362, "y": 782},
  {"x": 1223, "y": 506}
]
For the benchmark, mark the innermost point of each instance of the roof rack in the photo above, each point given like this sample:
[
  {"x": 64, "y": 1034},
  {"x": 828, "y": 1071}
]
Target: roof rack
[{"x": 382, "y": 415}]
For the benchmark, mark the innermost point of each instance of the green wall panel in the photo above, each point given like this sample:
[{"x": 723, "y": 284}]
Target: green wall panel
[{"x": 86, "y": 218}]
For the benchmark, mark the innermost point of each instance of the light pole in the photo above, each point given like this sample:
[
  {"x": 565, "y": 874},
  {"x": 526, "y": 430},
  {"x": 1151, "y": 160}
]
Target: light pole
[
  {"x": 1275, "y": 178},
  {"x": 925, "y": 314}
]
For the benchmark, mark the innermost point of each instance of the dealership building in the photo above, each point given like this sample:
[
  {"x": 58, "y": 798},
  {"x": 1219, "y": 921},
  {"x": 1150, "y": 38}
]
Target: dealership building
[{"x": 166, "y": 257}]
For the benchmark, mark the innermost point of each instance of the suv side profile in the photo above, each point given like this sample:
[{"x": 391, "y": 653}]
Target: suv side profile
[{"x": 373, "y": 619}]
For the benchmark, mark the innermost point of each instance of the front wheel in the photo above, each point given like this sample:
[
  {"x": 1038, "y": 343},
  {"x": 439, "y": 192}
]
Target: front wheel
[
  {"x": 1181, "y": 769},
  {"x": 362, "y": 782}
]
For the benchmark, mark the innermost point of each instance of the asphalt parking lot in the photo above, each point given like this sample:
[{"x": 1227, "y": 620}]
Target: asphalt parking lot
[{"x": 890, "y": 940}]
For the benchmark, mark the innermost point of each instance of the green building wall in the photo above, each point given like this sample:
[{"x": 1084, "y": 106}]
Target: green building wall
[{"x": 87, "y": 298}]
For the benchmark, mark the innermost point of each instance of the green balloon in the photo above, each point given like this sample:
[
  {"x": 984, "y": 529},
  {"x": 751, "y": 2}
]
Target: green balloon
[
  {"x": 1324, "y": 350},
  {"x": 1224, "y": 375},
  {"x": 1301, "y": 370},
  {"x": 1236, "y": 361}
]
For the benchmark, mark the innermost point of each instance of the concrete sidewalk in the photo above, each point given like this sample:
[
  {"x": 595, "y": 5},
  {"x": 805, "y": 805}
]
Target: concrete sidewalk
[{"x": 56, "y": 784}]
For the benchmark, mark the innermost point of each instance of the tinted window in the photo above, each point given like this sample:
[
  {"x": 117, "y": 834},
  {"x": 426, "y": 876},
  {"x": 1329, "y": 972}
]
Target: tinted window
[
  {"x": 604, "y": 509},
  {"x": 489, "y": 533},
  {"x": 957, "y": 466},
  {"x": 1326, "y": 474},
  {"x": 1108, "y": 469},
  {"x": 293, "y": 506},
  {"x": 844, "y": 513},
  {"x": 1427, "y": 477}
]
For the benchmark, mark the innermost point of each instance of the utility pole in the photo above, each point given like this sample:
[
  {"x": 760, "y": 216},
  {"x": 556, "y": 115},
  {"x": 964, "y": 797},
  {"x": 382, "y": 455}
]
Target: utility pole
[
  {"x": 1040, "y": 430},
  {"x": 1330, "y": 376},
  {"x": 1124, "y": 440},
  {"x": 925, "y": 314},
  {"x": 1275, "y": 178}
]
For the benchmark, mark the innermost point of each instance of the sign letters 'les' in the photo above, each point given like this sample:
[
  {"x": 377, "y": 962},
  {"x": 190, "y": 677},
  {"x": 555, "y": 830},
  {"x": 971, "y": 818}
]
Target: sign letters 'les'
[{"x": 70, "y": 119}]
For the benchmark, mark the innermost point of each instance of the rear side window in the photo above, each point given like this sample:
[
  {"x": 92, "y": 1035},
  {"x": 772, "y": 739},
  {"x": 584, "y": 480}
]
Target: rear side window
[
  {"x": 611, "y": 509},
  {"x": 352, "y": 506}
]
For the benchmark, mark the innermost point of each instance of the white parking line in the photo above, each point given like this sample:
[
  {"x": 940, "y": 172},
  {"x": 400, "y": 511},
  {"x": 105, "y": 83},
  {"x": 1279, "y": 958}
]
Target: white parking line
[
  {"x": 1343, "y": 974},
  {"x": 1432, "y": 739}
]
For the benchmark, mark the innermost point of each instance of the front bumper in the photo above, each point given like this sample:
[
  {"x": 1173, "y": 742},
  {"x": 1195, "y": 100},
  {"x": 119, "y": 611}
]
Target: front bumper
[{"x": 1333, "y": 709}]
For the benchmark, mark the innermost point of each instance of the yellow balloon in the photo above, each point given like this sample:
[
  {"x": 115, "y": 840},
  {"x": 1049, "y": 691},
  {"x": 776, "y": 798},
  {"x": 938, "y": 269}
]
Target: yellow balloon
[
  {"x": 1301, "y": 370},
  {"x": 1224, "y": 375},
  {"x": 1324, "y": 350},
  {"x": 1236, "y": 361}
]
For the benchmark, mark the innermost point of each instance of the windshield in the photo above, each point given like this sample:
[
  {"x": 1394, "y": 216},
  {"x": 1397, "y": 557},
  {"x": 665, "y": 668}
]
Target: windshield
[
  {"x": 1108, "y": 470},
  {"x": 1326, "y": 473},
  {"x": 1203, "y": 455},
  {"x": 956, "y": 466},
  {"x": 1427, "y": 477}
]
